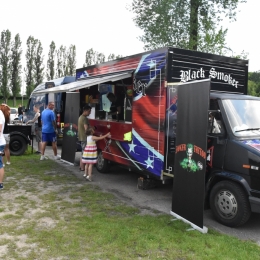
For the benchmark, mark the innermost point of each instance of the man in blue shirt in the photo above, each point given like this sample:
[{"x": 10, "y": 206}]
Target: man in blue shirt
[{"x": 49, "y": 130}]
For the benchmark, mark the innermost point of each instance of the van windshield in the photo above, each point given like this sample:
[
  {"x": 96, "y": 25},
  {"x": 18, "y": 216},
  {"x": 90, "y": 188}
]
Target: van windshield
[{"x": 243, "y": 116}]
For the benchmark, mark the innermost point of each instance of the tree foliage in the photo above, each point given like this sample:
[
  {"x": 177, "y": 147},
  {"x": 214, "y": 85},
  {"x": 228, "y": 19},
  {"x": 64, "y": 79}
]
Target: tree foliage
[
  {"x": 94, "y": 57},
  {"x": 38, "y": 61},
  {"x": 62, "y": 68},
  {"x": 16, "y": 67},
  {"x": 30, "y": 65},
  {"x": 112, "y": 56},
  {"x": 71, "y": 58},
  {"x": 188, "y": 24},
  {"x": 254, "y": 83},
  {"x": 51, "y": 61},
  {"x": 5, "y": 59}
]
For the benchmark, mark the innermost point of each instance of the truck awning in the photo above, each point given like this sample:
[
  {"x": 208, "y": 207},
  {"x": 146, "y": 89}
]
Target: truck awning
[{"x": 88, "y": 82}]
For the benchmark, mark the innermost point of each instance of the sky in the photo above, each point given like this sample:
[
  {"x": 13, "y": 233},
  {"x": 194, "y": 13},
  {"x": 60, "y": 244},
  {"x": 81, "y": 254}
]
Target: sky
[{"x": 108, "y": 27}]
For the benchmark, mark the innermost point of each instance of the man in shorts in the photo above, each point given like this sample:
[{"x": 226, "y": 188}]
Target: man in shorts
[
  {"x": 83, "y": 124},
  {"x": 49, "y": 130}
]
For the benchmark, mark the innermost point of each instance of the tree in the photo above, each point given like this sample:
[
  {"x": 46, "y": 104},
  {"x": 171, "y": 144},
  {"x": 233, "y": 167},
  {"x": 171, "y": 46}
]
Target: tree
[
  {"x": 254, "y": 83},
  {"x": 51, "y": 62},
  {"x": 188, "y": 24},
  {"x": 72, "y": 60},
  {"x": 61, "y": 69},
  {"x": 16, "y": 67},
  {"x": 112, "y": 56},
  {"x": 94, "y": 57},
  {"x": 38, "y": 61},
  {"x": 30, "y": 65},
  {"x": 5, "y": 59},
  {"x": 100, "y": 58},
  {"x": 90, "y": 58}
]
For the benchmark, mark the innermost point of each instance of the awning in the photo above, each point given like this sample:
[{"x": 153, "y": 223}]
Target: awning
[{"x": 88, "y": 82}]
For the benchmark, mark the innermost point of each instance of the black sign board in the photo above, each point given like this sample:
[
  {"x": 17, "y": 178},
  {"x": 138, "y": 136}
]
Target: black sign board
[
  {"x": 190, "y": 151},
  {"x": 70, "y": 130}
]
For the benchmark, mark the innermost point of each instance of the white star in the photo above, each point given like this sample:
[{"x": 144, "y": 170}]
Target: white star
[
  {"x": 132, "y": 147},
  {"x": 149, "y": 163},
  {"x": 151, "y": 64}
]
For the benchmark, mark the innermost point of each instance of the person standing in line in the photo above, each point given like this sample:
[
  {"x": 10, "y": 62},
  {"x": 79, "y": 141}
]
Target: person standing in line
[
  {"x": 89, "y": 156},
  {"x": 4, "y": 117},
  {"x": 83, "y": 125},
  {"x": 49, "y": 130},
  {"x": 7, "y": 140},
  {"x": 20, "y": 112},
  {"x": 116, "y": 108},
  {"x": 38, "y": 127}
]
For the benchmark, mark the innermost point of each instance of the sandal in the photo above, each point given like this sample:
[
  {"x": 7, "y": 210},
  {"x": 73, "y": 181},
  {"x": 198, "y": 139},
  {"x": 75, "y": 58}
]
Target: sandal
[{"x": 81, "y": 169}]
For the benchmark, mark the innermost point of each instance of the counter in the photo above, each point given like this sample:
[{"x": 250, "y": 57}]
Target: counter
[{"x": 117, "y": 129}]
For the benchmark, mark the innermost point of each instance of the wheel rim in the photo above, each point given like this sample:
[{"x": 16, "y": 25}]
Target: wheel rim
[
  {"x": 100, "y": 161},
  {"x": 226, "y": 204}
]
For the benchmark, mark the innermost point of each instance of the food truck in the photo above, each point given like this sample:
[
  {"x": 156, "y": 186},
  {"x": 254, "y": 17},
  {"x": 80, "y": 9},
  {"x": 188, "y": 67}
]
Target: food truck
[{"x": 145, "y": 140}]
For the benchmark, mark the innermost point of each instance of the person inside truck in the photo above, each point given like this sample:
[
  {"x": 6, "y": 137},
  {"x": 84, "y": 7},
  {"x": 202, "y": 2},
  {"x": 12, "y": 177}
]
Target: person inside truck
[{"x": 116, "y": 108}]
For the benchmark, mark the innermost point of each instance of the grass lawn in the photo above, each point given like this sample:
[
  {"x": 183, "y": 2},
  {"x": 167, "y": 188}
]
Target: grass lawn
[{"x": 46, "y": 212}]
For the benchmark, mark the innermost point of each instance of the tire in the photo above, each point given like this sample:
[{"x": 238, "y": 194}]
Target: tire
[
  {"x": 102, "y": 164},
  {"x": 17, "y": 145},
  {"x": 229, "y": 204}
]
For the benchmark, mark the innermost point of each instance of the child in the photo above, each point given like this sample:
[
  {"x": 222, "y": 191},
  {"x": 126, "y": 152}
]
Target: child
[{"x": 89, "y": 156}]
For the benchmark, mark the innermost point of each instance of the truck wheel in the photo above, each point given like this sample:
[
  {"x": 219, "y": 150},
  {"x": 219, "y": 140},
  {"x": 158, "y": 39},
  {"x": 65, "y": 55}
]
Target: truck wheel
[
  {"x": 17, "y": 145},
  {"x": 229, "y": 204},
  {"x": 102, "y": 164}
]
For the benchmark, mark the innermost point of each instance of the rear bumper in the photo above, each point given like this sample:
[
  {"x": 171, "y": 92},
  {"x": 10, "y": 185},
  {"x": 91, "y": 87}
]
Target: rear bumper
[{"x": 255, "y": 204}]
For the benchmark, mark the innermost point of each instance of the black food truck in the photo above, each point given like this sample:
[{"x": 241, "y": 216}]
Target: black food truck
[{"x": 148, "y": 84}]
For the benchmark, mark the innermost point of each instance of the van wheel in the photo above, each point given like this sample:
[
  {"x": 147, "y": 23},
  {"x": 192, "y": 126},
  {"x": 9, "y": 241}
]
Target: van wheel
[
  {"x": 229, "y": 204},
  {"x": 17, "y": 145},
  {"x": 102, "y": 164}
]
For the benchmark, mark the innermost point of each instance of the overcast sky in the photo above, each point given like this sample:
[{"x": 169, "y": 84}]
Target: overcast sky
[{"x": 107, "y": 26}]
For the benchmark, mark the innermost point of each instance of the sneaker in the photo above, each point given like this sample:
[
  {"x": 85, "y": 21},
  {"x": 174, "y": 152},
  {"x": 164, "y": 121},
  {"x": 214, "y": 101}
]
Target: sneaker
[
  {"x": 89, "y": 178},
  {"x": 8, "y": 163},
  {"x": 43, "y": 158},
  {"x": 1, "y": 186},
  {"x": 57, "y": 157},
  {"x": 3, "y": 165},
  {"x": 84, "y": 175},
  {"x": 38, "y": 152}
]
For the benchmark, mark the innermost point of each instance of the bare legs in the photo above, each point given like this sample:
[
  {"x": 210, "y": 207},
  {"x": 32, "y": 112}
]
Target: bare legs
[
  {"x": 81, "y": 165},
  {"x": 2, "y": 173},
  {"x": 88, "y": 171},
  {"x": 54, "y": 147},
  {"x": 7, "y": 153},
  {"x": 40, "y": 146}
]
